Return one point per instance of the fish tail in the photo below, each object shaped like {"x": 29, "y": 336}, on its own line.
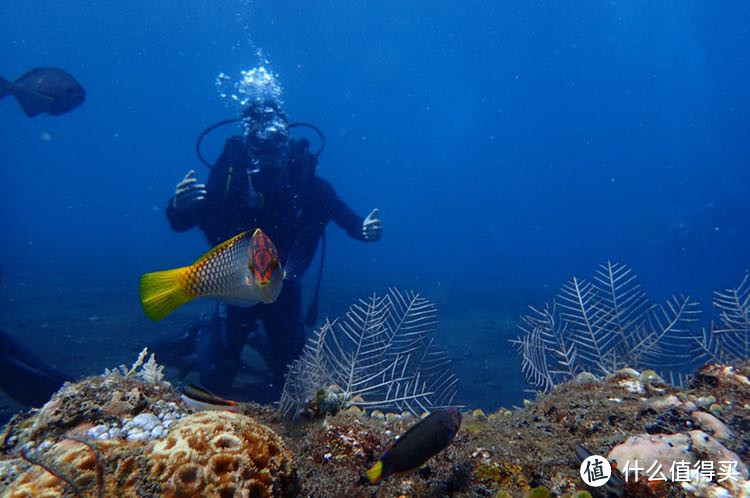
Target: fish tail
{"x": 162, "y": 292}
{"x": 5, "y": 87}
{"x": 375, "y": 473}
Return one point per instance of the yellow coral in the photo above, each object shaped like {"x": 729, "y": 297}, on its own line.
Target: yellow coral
{"x": 222, "y": 454}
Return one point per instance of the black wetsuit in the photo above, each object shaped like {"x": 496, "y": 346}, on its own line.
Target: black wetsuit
{"x": 294, "y": 217}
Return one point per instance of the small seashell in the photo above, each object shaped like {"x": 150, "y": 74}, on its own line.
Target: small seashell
{"x": 651, "y": 376}
{"x": 377, "y": 414}
{"x": 97, "y": 431}
{"x": 138, "y": 435}
{"x": 158, "y": 432}
{"x": 585, "y": 378}
{"x": 354, "y": 410}
{"x": 664, "y": 402}
{"x": 689, "y": 406}
{"x": 705, "y": 401}
{"x": 146, "y": 420}
{"x": 390, "y": 417}
{"x": 630, "y": 372}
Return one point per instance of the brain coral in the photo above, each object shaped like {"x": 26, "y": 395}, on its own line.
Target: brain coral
{"x": 208, "y": 454}
{"x": 222, "y": 454}
{"x": 71, "y": 458}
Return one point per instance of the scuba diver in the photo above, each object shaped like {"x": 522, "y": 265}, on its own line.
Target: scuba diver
{"x": 263, "y": 179}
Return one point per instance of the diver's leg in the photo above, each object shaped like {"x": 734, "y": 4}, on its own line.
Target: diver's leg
{"x": 219, "y": 347}
{"x": 24, "y": 376}
{"x": 285, "y": 333}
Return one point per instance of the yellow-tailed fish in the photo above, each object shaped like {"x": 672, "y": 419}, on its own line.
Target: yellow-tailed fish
{"x": 199, "y": 398}
{"x": 422, "y": 441}
{"x": 243, "y": 271}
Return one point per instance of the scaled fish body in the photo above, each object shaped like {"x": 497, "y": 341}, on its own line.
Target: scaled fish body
{"x": 45, "y": 89}
{"x": 199, "y": 398}
{"x": 421, "y": 442}
{"x": 242, "y": 271}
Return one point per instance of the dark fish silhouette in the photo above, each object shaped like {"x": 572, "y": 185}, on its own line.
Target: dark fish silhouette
{"x": 45, "y": 89}
{"x": 422, "y": 441}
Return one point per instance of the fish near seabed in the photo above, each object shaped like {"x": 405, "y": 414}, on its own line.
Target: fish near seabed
{"x": 243, "y": 271}
{"x": 422, "y": 441}
{"x": 199, "y": 398}
{"x": 45, "y": 89}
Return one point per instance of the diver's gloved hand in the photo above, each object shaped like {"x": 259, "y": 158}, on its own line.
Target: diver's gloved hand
{"x": 189, "y": 195}
{"x": 372, "y": 227}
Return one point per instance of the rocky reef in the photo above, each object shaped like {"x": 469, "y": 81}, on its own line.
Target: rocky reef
{"x": 123, "y": 435}
{"x": 127, "y": 433}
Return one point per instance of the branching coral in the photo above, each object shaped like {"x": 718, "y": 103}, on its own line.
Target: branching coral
{"x": 602, "y": 326}
{"x": 148, "y": 371}
{"x": 381, "y": 354}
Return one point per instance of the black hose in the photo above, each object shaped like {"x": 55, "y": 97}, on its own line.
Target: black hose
{"x": 211, "y": 128}
{"x": 312, "y": 311}
{"x": 206, "y": 132}
{"x": 316, "y": 130}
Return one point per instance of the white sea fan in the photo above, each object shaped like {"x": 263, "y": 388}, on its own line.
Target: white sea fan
{"x": 728, "y": 341}
{"x": 379, "y": 355}
{"x": 602, "y": 326}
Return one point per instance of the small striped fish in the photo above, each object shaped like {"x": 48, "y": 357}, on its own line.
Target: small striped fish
{"x": 243, "y": 271}
{"x": 198, "y": 398}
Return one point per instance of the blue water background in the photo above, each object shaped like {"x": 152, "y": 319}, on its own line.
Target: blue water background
{"x": 509, "y": 145}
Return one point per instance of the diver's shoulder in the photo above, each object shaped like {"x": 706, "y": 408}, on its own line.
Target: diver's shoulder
{"x": 321, "y": 186}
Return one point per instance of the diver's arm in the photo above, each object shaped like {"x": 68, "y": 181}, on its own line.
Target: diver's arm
{"x": 340, "y": 213}
{"x": 193, "y": 201}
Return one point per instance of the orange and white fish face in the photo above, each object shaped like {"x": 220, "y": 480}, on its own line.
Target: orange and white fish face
{"x": 266, "y": 273}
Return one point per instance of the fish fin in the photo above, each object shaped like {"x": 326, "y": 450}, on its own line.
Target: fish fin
{"x": 293, "y": 266}
{"x": 301, "y": 254}
{"x": 6, "y": 87}
{"x": 375, "y": 473}
{"x": 162, "y": 292}
{"x": 223, "y": 246}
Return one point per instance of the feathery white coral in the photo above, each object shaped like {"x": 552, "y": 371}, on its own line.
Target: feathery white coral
{"x": 149, "y": 371}
{"x": 602, "y": 326}
{"x": 379, "y": 355}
